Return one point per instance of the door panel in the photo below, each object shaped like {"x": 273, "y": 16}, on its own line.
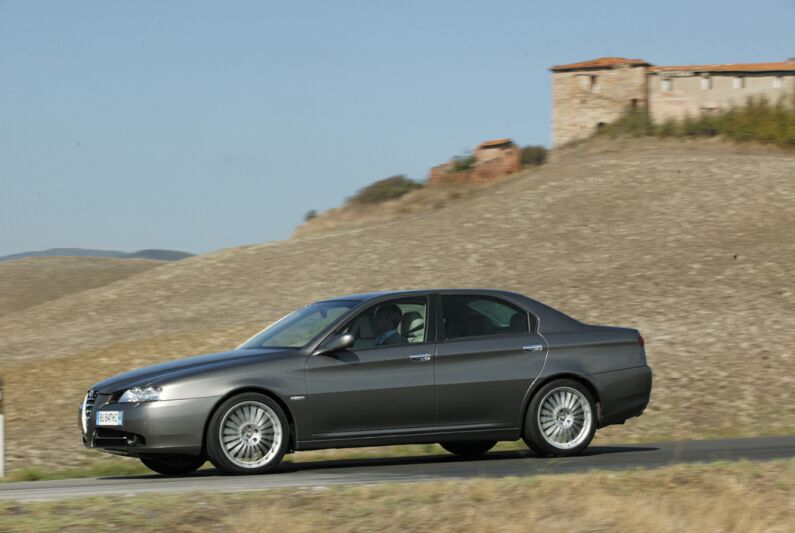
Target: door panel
{"x": 482, "y": 381}
{"x": 371, "y": 390}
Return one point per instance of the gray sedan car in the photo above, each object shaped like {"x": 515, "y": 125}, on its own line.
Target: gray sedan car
{"x": 464, "y": 368}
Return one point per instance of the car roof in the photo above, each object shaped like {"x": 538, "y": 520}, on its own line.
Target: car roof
{"x": 366, "y": 296}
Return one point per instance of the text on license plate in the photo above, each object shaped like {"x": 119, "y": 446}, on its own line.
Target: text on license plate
{"x": 109, "y": 418}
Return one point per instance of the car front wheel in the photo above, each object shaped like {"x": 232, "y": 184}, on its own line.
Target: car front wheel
{"x": 248, "y": 434}
{"x": 469, "y": 449}
{"x": 173, "y": 465}
{"x": 561, "y": 419}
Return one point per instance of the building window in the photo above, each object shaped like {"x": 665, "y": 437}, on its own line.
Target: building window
{"x": 666, "y": 85}
{"x": 738, "y": 82}
{"x": 778, "y": 82}
{"x": 589, "y": 83}
{"x": 706, "y": 83}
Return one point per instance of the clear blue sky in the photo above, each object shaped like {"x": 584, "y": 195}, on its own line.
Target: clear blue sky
{"x": 197, "y": 125}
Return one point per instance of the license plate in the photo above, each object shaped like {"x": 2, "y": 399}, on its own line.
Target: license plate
{"x": 109, "y": 418}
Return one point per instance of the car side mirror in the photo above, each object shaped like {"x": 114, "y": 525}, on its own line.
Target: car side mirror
{"x": 340, "y": 342}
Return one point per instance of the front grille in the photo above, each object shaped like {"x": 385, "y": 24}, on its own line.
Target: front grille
{"x": 88, "y": 408}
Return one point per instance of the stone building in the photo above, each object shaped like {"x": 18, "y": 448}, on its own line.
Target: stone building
{"x": 491, "y": 159}
{"x": 589, "y": 94}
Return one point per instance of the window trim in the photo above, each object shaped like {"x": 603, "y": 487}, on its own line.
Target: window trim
{"x": 531, "y": 318}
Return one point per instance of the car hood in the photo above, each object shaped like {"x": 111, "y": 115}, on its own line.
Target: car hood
{"x": 172, "y": 370}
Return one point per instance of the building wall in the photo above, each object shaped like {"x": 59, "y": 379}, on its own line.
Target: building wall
{"x": 579, "y": 105}
{"x": 490, "y": 163}
{"x": 687, "y": 96}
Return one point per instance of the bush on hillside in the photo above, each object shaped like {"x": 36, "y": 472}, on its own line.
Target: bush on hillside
{"x": 533, "y": 156}
{"x": 463, "y": 163}
{"x": 312, "y": 213}
{"x": 385, "y": 189}
{"x": 634, "y": 123}
{"x": 758, "y": 120}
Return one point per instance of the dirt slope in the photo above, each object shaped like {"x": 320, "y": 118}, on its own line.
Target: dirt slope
{"x": 690, "y": 243}
{"x": 29, "y": 282}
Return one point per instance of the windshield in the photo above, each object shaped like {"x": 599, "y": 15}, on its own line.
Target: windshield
{"x": 298, "y": 328}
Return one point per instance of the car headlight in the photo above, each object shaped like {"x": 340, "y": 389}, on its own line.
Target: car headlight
{"x": 141, "y": 394}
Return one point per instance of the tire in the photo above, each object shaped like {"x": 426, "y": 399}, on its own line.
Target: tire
{"x": 469, "y": 449}
{"x": 173, "y": 465}
{"x": 561, "y": 419}
{"x": 247, "y": 434}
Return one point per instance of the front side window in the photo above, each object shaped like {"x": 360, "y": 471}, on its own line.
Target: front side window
{"x": 391, "y": 323}
{"x": 298, "y": 328}
{"x": 666, "y": 85}
{"x": 466, "y": 315}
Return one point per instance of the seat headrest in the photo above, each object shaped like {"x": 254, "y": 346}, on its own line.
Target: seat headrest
{"x": 411, "y": 323}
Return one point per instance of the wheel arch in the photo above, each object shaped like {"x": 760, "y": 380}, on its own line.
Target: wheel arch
{"x": 259, "y": 390}
{"x": 583, "y": 380}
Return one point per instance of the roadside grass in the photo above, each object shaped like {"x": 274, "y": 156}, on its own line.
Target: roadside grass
{"x": 728, "y": 497}
{"x": 115, "y": 467}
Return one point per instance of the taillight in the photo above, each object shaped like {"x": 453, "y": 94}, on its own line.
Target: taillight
{"x": 641, "y": 342}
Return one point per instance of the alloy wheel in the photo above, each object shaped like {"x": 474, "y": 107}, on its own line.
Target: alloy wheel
{"x": 565, "y": 418}
{"x": 250, "y": 434}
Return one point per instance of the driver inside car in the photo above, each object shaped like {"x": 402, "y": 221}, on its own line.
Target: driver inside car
{"x": 385, "y": 323}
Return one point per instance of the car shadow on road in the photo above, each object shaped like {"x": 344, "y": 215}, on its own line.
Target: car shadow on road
{"x": 304, "y": 466}
{"x": 446, "y": 458}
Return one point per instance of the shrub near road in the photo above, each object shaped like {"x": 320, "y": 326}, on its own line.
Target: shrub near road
{"x": 690, "y": 243}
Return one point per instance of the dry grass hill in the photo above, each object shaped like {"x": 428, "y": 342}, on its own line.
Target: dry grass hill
{"x": 690, "y": 243}
{"x": 29, "y": 282}
{"x": 353, "y": 216}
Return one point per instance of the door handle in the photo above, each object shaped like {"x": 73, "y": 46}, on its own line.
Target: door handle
{"x": 420, "y": 357}
{"x": 533, "y": 347}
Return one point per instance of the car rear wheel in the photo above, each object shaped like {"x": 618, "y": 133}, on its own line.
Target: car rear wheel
{"x": 173, "y": 465}
{"x": 248, "y": 434}
{"x": 561, "y": 419}
{"x": 469, "y": 449}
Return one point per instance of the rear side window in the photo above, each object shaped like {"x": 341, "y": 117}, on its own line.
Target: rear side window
{"x": 470, "y": 315}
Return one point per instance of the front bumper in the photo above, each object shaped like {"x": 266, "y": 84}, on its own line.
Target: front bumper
{"x": 165, "y": 426}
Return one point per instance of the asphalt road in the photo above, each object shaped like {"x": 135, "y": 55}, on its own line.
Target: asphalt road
{"x": 411, "y": 469}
